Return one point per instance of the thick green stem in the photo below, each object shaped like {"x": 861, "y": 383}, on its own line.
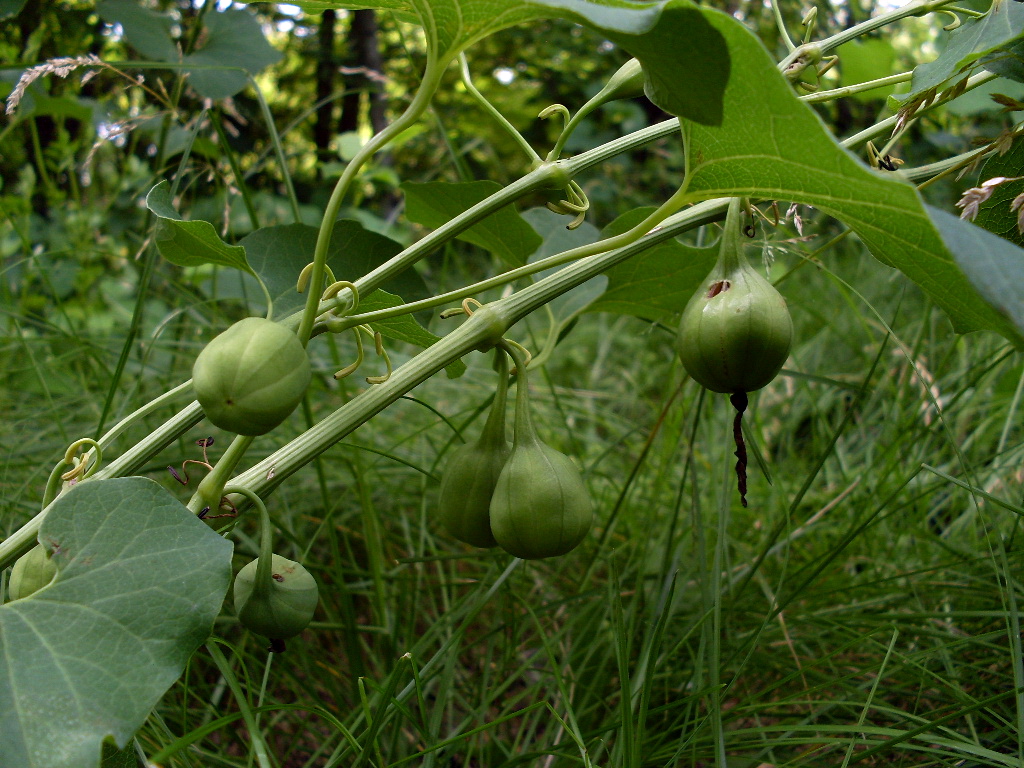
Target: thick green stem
{"x": 670, "y": 206}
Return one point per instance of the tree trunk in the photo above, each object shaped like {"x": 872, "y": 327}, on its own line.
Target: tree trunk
{"x": 363, "y": 62}
{"x": 326, "y": 69}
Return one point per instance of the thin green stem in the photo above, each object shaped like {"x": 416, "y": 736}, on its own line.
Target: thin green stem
{"x": 850, "y": 90}
{"x": 211, "y": 488}
{"x": 282, "y": 159}
{"x": 431, "y": 78}
{"x": 261, "y": 587}
{"x": 780, "y": 24}
{"x": 490, "y": 109}
{"x": 913, "y": 8}
{"x": 153, "y": 405}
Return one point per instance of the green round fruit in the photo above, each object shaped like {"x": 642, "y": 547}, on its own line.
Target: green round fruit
{"x": 251, "y": 377}
{"x": 285, "y": 609}
{"x": 31, "y": 572}
{"x": 467, "y": 486}
{"x": 736, "y": 331}
{"x": 541, "y": 506}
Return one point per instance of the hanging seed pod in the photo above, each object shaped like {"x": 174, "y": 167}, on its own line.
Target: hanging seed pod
{"x": 736, "y": 331}
{"x": 250, "y": 377}
{"x": 471, "y": 474}
{"x": 281, "y": 608}
{"x": 541, "y": 506}
{"x": 31, "y": 572}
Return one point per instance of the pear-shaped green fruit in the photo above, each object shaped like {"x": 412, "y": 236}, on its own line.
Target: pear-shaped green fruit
{"x": 31, "y": 572}
{"x": 281, "y": 610}
{"x": 250, "y": 378}
{"x": 736, "y": 331}
{"x": 467, "y": 485}
{"x": 541, "y": 506}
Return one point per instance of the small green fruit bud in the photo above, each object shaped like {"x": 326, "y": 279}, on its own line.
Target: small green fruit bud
{"x": 31, "y": 572}
{"x": 626, "y": 83}
{"x": 736, "y": 332}
{"x": 285, "y": 608}
{"x": 250, "y": 378}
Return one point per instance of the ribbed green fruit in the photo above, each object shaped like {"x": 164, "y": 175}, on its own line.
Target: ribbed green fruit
{"x": 282, "y": 611}
{"x": 250, "y": 377}
{"x": 541, "y": 506}
{"x": 31, "y": 572}
{"x": 467, "y": 485}
{"x": 736, "y": 331}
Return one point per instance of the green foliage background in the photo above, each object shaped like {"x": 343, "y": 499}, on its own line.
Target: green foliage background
{"x": 880, "y": 621}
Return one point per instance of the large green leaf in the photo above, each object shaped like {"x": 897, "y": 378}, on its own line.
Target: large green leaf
{"x": 504, "y": 233}
{"x": 232, "y": 38}
{"x": 658, "y": 282}
{"x": 140, "y": 581}
{"x": 190, "y": 243}
{"x": 148, "y": 31}
{"x": 975, "y": 38}
{"x": 771, "y": 145}
{"x": 279, "y": 253}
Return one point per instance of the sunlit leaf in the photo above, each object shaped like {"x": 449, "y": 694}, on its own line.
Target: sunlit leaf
{"x": 973, "y": 39}
{"x": 147, "y": 31}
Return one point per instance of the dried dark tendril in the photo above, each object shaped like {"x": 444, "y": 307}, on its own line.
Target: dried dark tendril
{"x": 739, "y": 402}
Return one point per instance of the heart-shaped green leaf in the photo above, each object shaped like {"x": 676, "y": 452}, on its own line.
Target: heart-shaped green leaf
{"x": 190, "y": 243}
{"x": 140, "y": 580}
